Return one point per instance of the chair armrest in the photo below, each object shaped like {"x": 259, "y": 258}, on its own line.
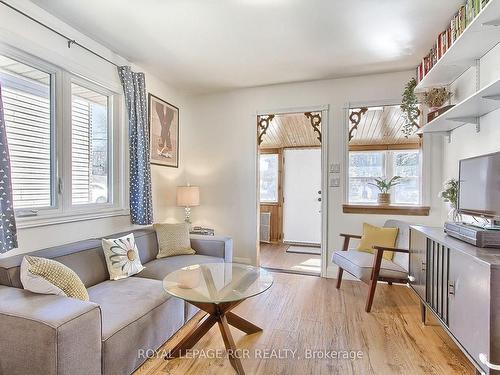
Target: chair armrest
{"x": 48, "y": 334}
{"x": 347, "y": 239}
{"x": 215, "y": 246}
{"x": 345, "y": 235}
{"x": 394, "y": 249}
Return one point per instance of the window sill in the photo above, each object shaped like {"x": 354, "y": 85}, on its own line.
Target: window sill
{"x": 391, "y": 209}
{"x": 45, "y": 220}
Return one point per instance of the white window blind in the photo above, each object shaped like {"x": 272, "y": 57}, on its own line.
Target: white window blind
{"x": 89, "y": 139}
{"x": 27, "y": 108}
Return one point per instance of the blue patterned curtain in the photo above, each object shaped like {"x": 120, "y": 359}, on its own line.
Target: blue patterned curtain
{"x": 134, "y": 88}
{"x": 8, "y": 231}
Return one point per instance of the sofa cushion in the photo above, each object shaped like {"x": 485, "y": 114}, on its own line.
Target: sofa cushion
{"x": 137, "y": 316}
{"x": 83, "y": 257}
{"x": 173, "y": 239}
{"x": 123, "y": 301}
{"x": 359, "y": 264}
{"x": 159, "y": 268}
{"x": 122, "y": 256}
{"x": 47, "y": 276}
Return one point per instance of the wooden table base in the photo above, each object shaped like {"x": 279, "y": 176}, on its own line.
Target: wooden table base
{"x": 222, "y": 315}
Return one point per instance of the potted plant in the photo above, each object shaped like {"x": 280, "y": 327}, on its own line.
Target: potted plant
{"x": 409, "y": 107}
{"x": 449, "y": 194}
{"x": 436, "y": 97}
{"x": 385, "y": 185}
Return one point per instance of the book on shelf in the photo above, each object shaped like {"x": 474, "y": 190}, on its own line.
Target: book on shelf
{"x": 459, "y": 22}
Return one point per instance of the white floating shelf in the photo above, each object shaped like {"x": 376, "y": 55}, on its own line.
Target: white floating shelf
{"x": 467, "y": 111}
{"x": 476, "y": 40}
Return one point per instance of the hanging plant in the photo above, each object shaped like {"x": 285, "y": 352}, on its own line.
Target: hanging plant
{"x": 409, "y": 106}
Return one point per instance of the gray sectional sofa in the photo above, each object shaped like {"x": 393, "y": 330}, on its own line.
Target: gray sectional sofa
{"x": 54, "y": 335}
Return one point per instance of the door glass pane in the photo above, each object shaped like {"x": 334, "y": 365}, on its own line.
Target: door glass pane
{"x": 363, "y": 168}
{"x": 269, "y": 178}
{"x": 407, "y": 165}
{"x": 27, "y": 109}
{"x": 89, "y": 140}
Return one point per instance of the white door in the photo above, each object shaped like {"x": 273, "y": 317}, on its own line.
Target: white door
{"x": 302, "y": 195}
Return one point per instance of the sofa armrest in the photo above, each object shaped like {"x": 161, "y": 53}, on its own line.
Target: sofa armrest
{"x": 48, "y": 334}
{"x": 215, "y": 246}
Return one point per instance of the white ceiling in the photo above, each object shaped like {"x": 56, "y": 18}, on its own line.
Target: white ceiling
{"x": 208, "y": 45}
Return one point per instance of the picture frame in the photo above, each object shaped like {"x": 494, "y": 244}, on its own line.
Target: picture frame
{"x": 163, "y": 132}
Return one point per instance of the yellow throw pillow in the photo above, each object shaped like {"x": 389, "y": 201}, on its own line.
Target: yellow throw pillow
{"x": 47, "y": 276}
{"x": 173, "y": 239}
{"x": 377, "y": 236}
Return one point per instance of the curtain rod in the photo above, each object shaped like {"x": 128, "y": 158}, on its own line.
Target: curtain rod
{"x": 69, "y": 40}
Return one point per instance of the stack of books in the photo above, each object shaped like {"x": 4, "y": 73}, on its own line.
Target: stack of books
{"x": 463, "y": 18}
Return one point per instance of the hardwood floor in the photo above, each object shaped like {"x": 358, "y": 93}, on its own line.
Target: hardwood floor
{"x": 275, "y": 256}
{"x": 307, "y": 312}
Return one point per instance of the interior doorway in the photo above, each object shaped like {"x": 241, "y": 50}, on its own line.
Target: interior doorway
{"x": 291, "y": 199}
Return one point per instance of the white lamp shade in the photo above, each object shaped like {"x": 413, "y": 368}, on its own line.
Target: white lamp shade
{"x": 188, "y": 196}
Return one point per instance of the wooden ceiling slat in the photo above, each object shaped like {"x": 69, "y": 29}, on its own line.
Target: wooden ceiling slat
{"x": 290, "y": 130}
{"x": 382, "y": 127}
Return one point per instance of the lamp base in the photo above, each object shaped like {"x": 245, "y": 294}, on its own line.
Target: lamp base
{"x": 187, "y": 219}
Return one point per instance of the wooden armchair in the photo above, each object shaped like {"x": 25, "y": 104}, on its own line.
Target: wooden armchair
{"x": 371, "y": 268}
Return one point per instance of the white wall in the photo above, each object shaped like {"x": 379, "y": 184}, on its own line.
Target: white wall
{"x": 222, "y": 157}
{"x": 17, "y": 31}
{"x": 465, "y": 141}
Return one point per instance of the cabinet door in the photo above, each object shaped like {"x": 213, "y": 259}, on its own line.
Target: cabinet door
{"x": 417, "y": 277}
{"x": 469, "y": 303}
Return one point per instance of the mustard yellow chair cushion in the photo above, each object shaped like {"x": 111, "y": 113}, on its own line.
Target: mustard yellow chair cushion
{"x": 377, "y": 236}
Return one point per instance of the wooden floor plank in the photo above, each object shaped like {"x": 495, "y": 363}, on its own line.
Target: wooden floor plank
{"x": 301, "y": 313}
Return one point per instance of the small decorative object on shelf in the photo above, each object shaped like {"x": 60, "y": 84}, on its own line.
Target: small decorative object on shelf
{"x": 409, "y": 106}
{"x": 385, "y": 185}
{"x": 450, "y": 195}
{"x": 202, "y": 231}
{"x": 436, "y": 97}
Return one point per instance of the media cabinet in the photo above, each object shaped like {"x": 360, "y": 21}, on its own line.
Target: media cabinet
{"x": 460, "y": 284}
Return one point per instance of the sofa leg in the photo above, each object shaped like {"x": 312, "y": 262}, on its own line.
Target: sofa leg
{"x": 339, "y": 277}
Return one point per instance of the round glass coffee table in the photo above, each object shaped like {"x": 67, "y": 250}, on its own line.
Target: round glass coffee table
{"x": 217, "y": 288}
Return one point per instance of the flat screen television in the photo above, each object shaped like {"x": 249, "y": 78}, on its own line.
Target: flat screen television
{"x": 479, "y": 192}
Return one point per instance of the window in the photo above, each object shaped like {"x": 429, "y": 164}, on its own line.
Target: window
{"x": 379, "y": 149}
{"x": 63, "y": 163}
{"x": 365, "y": 166}
{"x": 269, "y": 175}
{"x": 27, "y": 104}
{"x": 89, "y": 139}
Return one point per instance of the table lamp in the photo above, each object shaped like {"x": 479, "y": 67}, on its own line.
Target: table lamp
{"x": 187, "y": 197}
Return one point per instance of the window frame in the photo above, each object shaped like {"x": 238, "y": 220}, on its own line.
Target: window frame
{"x": 62, "y": 210}
{"x": 68, "y": 198}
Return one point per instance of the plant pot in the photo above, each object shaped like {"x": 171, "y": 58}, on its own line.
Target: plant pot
{"x": 384, "y": 198}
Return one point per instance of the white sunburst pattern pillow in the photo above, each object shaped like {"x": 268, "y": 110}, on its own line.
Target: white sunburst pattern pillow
{"x": 122, "y": 257}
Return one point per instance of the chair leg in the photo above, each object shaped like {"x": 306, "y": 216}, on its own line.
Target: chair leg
{"x": 371, "y": 294}
{"x": 377, "y": 260}
{"x": 339, "y": 277}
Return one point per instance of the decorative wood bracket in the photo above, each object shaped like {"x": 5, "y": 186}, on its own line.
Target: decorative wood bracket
{"x": 355, "y": 119}
{"x": 262, "y": 125}
{"x": 315, "y": 119}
